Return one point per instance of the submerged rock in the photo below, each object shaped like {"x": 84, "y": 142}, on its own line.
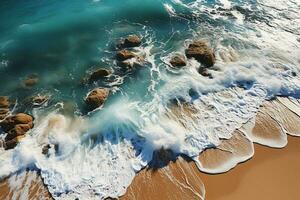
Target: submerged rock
{"x": 124, "y": 55}
{"x": 130, "y": 41}
{"x": 178, "y": 61}
{"x": 97, "y": 97}
{"x": 16, "y": 127}
{"x": 98, "y": 74}
{"x": 39, "y": 100}
{"x": 31, "y": 80}
{"x": 201, "y": 52}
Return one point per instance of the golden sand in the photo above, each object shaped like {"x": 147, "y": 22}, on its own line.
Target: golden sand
{"x": 272, "y": 174}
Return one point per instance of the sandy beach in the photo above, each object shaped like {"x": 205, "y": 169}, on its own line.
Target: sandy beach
{"x": 272, "y": 174}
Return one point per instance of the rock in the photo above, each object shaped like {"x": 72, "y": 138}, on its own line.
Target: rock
{"x": 3, "y": 113}
{"x": 31, "y": 80}
{"x": 16, "y": 127}
{"x": 98, "y": 74}
{"x": 161, "y": 158}
{"x": 4, "y": 102}
{"x": 124, "y": 55}
{"x": 18, "y": 130}
{"x": 10, "y": 122}
{"x": 201, "y": 52}
{"x": 178, "y": 61}
{"x": 10, "y": 144}
{"x": 97, "y": 97}
{"x": 39, "y": 100}
{"x": 45, "y": 149}
{"x": 205, "y": 72}
{"x": 130, "y": 41}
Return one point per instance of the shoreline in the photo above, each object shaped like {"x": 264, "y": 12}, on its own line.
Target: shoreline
{"x": 241, "y": 154}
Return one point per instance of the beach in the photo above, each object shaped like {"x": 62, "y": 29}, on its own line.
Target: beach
{"x": 164, "y": 99}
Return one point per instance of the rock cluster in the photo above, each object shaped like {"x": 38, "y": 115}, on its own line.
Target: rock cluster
{"x": 16, "y": 126}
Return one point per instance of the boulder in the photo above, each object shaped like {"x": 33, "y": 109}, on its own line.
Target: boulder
{"x": 130, "y": 41}
{"x": 4, "y": 102}
{"x": 97, "y": 97}
{"x": 178, "y": 61}
{"x": 98, "y": 74}
{"x": 18, "y": 130}
{"x": 31, "y": 80}
{"x": 10, "y": 144}
{"x": 201, "y": 52}
{"x": 12, "y": 121}
{"x": 124, "y": 55}
{"x": 205, "y": 72}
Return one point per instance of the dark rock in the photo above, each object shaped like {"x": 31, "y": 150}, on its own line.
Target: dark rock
{"x": 45, "y": 149}
{"x": 97, "y": 97}
{"x": 98, "y": 74}
{"x": 162, "y": 157}
{"x": 10, "y": 144}
{"x": 130, "y": 41}
{"x": 178, "y": 61}
{"x": 31, "y": 80}
{"x": 201, "y": 52}
{"x": 205, "y": 72}
{"x": 124, "y": 55}
{"x": 18, "y": 130}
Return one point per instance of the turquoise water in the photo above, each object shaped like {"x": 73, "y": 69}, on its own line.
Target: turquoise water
{"x": 256, "y": 45}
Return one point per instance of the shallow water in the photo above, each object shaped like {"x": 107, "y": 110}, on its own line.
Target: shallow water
{"x": 256, "y": 45}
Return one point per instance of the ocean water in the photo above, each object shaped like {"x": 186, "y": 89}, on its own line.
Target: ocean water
{"x": 257, "y": 46}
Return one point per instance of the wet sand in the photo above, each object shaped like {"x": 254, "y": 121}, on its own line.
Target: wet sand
{"x": 272, "y": 174}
